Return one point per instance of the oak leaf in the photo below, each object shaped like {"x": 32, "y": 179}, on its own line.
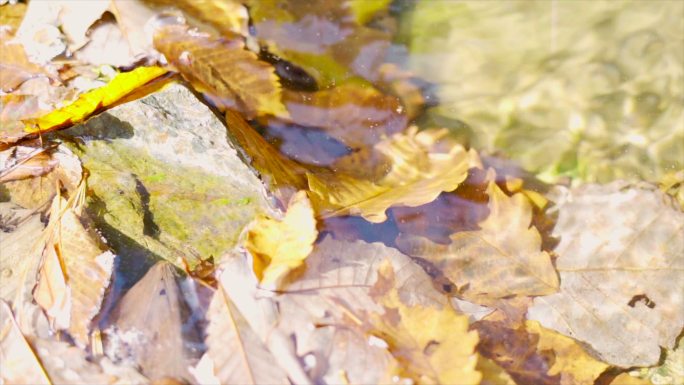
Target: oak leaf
{"x": 621, "y": 257}
{"x": 91, "y": 101}
{"x": 279, "y": 246}
{"x": 504, "y": 258}
{"x": 418, "y": 175}
{"x": 233, "y": 76}
{"x": 432, "y": 345}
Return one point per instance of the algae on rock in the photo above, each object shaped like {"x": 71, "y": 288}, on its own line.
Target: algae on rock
{"x": 165, "y": 180}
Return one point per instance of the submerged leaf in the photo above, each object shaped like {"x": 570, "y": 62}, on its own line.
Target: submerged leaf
{"x": 232, "y": 75}
{"x": 358, "y": 115}
{"x": 418, "y": 175}
{"x": 432, "y": 345}
{"x": 91, "y": 101}
{"x": 281, "y": 246}
{"x": 621, "y": 257}
{"x": 502, "y": 259}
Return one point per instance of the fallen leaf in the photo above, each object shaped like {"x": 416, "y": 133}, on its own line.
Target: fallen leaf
{"x": 15, "y": 67}
{"x": 502, "y": 259}
{"x": 492, "y": 374}
{"x": 238, "y": 354}
{"x": 627, "y": 379}
{"x": 365, "y": 10}
{"x": 571, "y": 361}
{"x": 147, "y": 326}
{"x": 75, "y": 19}
{"x": 279, "y": 246}
{"x": 12, "y": 14}
{"x": 107, "y": 45}
{"x": 75, "y": 271}
{"x": 283, "y": 175}
{"x": 515, "y": 350}
{"x": 134, "y": 18}
{"x": 224, "y": 68}
{"x": 20, "y": 365}
{"x": 418, "y": 176}
{"x": 356, "y": 114}
{"x": 620, "y": 257}
{"x": 229, "y": 17}
{"x": 432, "y": 345}
{"x": 91, "y": 101}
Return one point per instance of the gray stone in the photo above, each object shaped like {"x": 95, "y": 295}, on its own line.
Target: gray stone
{"x": 165, "y": 179}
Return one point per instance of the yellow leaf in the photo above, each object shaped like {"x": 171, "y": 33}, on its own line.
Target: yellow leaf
{"x": 418, "y": 175}
{"x": 504, "y": 258}
{"x": 627, "y": 379}
{"x": 280, "y": 246}
{"x": 572, "y": 362}
{"x": 91, "y": 101}
{"x": 492, "y": 374}
{"x": 433, "y": 345}
{"x": 233, "y": 76}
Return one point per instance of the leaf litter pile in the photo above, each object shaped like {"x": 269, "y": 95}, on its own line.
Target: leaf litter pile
{"x": 341, "y": 192}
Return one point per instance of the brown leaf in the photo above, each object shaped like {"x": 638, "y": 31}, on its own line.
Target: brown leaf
{"x": 75, "y": 270}
{"x": 621, "y": 257}
{"x": 224, "y": 68}
{"x": 15, "y": 67}
{"x": 148, "y": 326}
{"x": 504, "y": 258}
{"x": 229, "y": 17}
{"x": 357, "y": 115}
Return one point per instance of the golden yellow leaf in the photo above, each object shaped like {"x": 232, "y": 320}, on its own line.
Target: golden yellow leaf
{"x": 233, "y": 76}
{"x": 91, "y": 101}
{"x": 504, "y": 258}
{"x": 280, "y": 246}
{"x": 627, "y": 379}
{"x": 574, "y": 365}
{"x": 492, "y": 374}
{"x": 433, "y": 345}
{"x": 417, "y": 176}
{"x": 75, "y": 270}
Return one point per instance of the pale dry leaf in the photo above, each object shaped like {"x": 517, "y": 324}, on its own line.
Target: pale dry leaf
{"x": 20, "y": 365}
{"x": 621, "y": 260}
{"x": 75, "y": 272}
{"x": 419, "y": 173}
{"x": 238, "y": 354}
{"x": 147, "y": 326}
{"x": 501, "y": 259}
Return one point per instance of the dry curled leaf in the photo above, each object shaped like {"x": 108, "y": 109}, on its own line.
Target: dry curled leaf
{"x": 417, "y": 176}
{"x": 279, "y": 246}
{"x": 620, "y": 259}
{"x": 501, "y": 259}
{"x": 91, "y": 101}
{"x": 233, "y": 76}
{"x": 75, "y": 271}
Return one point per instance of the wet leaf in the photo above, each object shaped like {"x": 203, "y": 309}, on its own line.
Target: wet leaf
{"x": 365, "y": 10}
{"x": 502, "y": 259}
{"x": 229, "y": 17}
{"x": 223, "y": 68}
{"x": 572, "y": 361}
{"x": 356, "y": 114}
{"x": 283, "y": 176}
{"x": 75, "y": 271}
{"x": 20, "y": 365}
{"x": 148, "y": 326}
{"x": 279, "y": 246}
{"x": 621, "y": 255}
{"x": 89, "y": 102}
{"x": 237, "y": 353}
{"x": 432, "y": 345}
{"x": 418, "y": 175}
